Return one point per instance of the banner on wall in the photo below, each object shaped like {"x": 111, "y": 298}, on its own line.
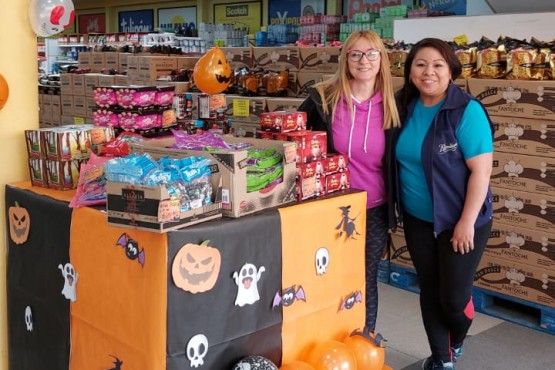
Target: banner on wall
{"x": 92, "y": 23}
{"x": 311, "y": 7}
{"x": 283, "y": 12}
{"x": 136, "y": 21}
{"x": 247, "y": 14}
{"x": 172, "y": 17}
{"x": 446, "y": 7}
{"x": 350, "y": 7}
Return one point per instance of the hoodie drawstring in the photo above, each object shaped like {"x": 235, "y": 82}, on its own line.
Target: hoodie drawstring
{"x": 365, "y": 130}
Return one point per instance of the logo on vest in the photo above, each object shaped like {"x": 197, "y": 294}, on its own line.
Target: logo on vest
{"x": 444, "y": 148}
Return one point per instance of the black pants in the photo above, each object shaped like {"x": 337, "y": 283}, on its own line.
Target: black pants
{"x": 376, "y": 238}
{"x": 445, "y": 279}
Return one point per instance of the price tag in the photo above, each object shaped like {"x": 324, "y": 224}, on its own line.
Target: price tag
{"x": 241, "y": 107}
{"x": 169, "y": 210}
{"x": 78, "y": 120}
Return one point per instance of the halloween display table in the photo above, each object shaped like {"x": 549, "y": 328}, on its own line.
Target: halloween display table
{"x": 86, "y": 295}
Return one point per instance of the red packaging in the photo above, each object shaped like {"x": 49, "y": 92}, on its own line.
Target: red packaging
{"x": 271, "y": 121}
{"x": 306, "y": 170}
{"x": 336, "y": 163}
{"x": 311, "y": 145}
{"x": 306, "y": 188}
{"x": 338, "y": 181}
{"x": 293, "y": 121}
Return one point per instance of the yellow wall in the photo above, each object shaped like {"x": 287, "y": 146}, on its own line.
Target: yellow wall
{"x": 18, "y": 65}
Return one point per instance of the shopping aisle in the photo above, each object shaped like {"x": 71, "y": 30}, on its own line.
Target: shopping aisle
{"x": 493, "y": 344}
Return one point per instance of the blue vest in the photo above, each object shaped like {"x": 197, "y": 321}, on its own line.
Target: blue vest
{"x": 444, "y": 165}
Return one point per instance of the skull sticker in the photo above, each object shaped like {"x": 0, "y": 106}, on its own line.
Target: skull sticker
{"x": 29, "y": 318}
{"x": 197, "y": 349}
{"x": 322, "y": 260}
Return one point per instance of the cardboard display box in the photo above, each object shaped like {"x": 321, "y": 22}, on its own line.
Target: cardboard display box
{"x": 246, "y": 109}
{"x": 515, "y": 98}
{"x": 516, "y": 208}
{"x": 319, "y": 59}
{"x": 150, "y": 207}
{"x": 530, "y": 283}
{"x": 522, "y": 245}
{"x": 524, "y": 136}
{"x": 524, "y": 172}
{"x": 306, "y": 80}
{"x": 238, "y": 57}
{"x": 283, "y": 104}
{"x": 276, "y": 58}
{"x": 398, "y": 251}
{"x": 236, "y": 201}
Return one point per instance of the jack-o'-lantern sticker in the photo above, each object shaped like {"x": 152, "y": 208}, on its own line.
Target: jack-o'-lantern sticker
{"x": 212, "y": 72}
{"x": 20, "y": 223}
{"x": 196, "y": 267}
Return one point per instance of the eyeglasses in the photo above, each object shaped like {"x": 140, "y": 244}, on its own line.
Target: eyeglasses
{"x": 356, "y": 55}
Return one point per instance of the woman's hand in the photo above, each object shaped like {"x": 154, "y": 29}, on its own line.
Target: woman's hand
{"x": 463, "y": 237}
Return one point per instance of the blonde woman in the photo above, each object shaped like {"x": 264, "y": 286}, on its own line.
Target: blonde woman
{"x": 356, "y": 107}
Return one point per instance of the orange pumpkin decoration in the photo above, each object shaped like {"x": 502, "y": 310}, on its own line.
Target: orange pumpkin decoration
{"x": 20, "y": 223}
{"x": 212, "y": 72}
{"x": 196, "y": 267}
{"x": 368, "y": 349}
{"x": 4, "y": 91}
{"x": 332, "y": 355}
{"x": 297, "y": 365}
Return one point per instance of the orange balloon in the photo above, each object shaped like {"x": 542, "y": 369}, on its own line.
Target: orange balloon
{"x": 212, "y": 72}
{"x": 369, "y": 353}
{"x": 4, "y": 91}
{"x": 297, "y": 365}
{"x": 332, "y": 355}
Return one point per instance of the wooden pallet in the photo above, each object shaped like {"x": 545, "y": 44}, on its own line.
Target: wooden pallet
{"x": 518, "y": 311}
{"x": 403, "y": 277}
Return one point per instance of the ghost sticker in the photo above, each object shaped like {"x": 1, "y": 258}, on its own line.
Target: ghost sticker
{"x": 29, "y": 318}
{"x": 350, "y": 300}
{"x": 197, "y": 348}
{"x": 131, "y": 248}
{"x": 247, "y": 284}
{"x": 289, "y": 296}
{"x": 70, "y": 281}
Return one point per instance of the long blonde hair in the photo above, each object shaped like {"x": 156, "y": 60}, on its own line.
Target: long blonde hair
{"x": 332, "y": 89}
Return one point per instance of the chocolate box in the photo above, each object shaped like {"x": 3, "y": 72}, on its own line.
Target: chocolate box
{"x": 524, "y": 172}
{"x": 524, "y": 136}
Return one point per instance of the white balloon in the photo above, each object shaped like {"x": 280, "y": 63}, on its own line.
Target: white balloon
{"x": 49, "y": 17}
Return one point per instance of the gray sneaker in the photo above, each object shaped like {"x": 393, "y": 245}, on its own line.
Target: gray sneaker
{"x": 429, "y": 364}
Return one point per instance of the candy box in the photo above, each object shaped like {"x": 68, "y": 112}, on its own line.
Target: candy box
{"x": 66, "y": 143}
{"x": 231, "y": 164}
{"x": 338, "y": 181}
{"x": 37, "y": 172}
{"x": 130, "y": 97}
{"x": 62, "y": 175}
{"x": 139, "y": 119}
{"x": 336, "y": 163}
{"x": 106, "y": 117}
{"x": 151, "y": 207}
{"x": 164, "y": 95}
{"x": 282, "y": 121}
{"x": 311, "y": 145}
{"x": 105, "y": 96}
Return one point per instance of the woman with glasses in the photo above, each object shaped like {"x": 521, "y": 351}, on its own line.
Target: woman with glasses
{"x": 356, "y": 108}
{"x": 444, "y": 160}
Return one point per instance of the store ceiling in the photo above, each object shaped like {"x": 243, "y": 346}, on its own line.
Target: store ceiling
{"x": 520, "y": 6}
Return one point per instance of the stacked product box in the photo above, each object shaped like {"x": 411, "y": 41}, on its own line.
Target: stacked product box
{"x": 318, "y": 172}
{"x": 519, "y": 260}
{"x": 55, "y": 154}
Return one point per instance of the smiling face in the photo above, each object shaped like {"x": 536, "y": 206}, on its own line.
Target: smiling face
{"x": 430, "y": 73}
{"x": 364, "y": 69}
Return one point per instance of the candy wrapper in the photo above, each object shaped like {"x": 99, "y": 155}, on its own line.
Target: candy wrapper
{"x": 91, "y": 187}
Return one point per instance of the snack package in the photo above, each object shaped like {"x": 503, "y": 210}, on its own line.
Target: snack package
{"x": 91, "y": 186}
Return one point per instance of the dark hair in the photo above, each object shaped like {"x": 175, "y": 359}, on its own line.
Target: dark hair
{"x": 409, "y": 91}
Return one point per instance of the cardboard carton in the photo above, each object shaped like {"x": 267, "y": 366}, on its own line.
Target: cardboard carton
{"x": 515, "y": 98}
{"x": 151, "y": 208}
{"x": 236, "y": 201}
{"x": 524, "y": 173}
{"x": 522, "y": 245}
{"x": 276, "y": 58}
{"x": 319, "y": 59}
{"x": 524, "y": 135}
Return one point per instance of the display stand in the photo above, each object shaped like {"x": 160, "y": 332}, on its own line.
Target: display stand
{"x": 126, "y": 306}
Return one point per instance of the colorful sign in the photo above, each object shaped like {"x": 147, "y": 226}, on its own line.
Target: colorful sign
{"x": 446, "y": 7}
{"x": 136, "y": 21}
{"x": 283, "y": 12}
{"x": 350, "y": 7}
{"x": 247, "y": 14}
{"x": 92, "y": 23}
{"x": 172, "y": 17}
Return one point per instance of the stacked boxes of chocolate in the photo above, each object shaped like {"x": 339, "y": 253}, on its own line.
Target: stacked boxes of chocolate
{"x": 55, "y": 154}
{"x": 318, "y": 172}
{"x": 146, "y": 110}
